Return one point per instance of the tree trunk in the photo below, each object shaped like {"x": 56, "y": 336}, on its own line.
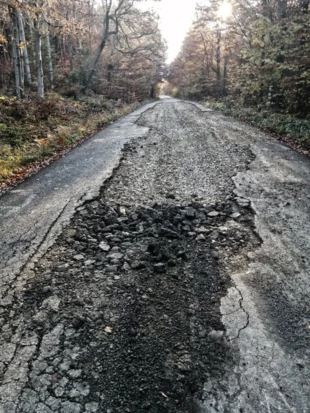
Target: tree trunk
{"x": 39, "y": 64}
{"x": 17, "y": 62}
{"x": 49, "y": 57}
{"x": 98, "y": 52}
{"x": 225, "y": 75}
{"x": 70, "y": 49}
{"x": 218, "y": 59}
{"x": 24, "y": 45}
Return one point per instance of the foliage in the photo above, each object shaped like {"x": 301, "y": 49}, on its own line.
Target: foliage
{"x": 33, "y": 129}
{"x": 298, "y": 130}
{"x": 69, "y": 67}
{"x": 259, "y": 57}
{"x": 115, "y": 48}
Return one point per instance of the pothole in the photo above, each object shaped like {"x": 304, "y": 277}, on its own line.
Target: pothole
{"x": 138, "y": 291}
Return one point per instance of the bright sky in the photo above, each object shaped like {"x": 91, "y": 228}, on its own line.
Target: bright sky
{"x": 176, "y": 17}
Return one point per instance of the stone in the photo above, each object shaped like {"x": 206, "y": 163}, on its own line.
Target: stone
{"x": 202, "y": 230}
{"x": 243, "y": 202}
{"x": 122, "y": 210}
{"x": 137, "y": 265}
{"x": 201, "y": 237}
{"x": 213, "y": 214}
{"x": 216, "y": 334}
{"x": 235, "y": 215}
{"x": 78, "y": 257}
{"x": 214, "y": 235}
{"x": 74, "y": 374}
{"x": 160, "y": 267}
{"x": 92, "y": 407}
{"x": 215, "y": 255}
{"x": 223, "y": 230}
{"x": 116, "y": 256}
{"x": 104, "y": 246}
{"x": 190, "y": 213}
{"x": 52, "y": 303}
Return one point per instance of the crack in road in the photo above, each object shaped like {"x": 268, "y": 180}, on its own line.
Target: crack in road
{"x": 133, "y": 307}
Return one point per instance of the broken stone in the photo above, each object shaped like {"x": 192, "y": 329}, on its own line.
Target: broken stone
{"x": 160, "y": 267}
{"x": 137, "y": 265}
{"x": 235, "y": 215}
{"x": 89, "y": 262}
{"x": 78, "y": 257}
{"x": 243, "y": 202}
{"x": 74, "y": 374}
{"x": 116, "y": 256}
{"x": 104, "y": 246}
{"x": 214, "y": 235}
{"x": 52, "y": 303}
{"x": 213, "y": 214}
{"x": 202, "y": 230}
{"x": 201, "y": 237}
{"x": 216, "y": 334}
{"x": 190, "y": 213}
{"x": 122, "y": 210}
{"x": 223, "y": 230}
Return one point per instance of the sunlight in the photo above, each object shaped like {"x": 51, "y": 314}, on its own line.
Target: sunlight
{"x": 175, "y": 20}
{"x": 225, "y": 10}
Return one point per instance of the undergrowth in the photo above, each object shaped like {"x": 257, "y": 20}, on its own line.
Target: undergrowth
{"x": 298, "y": 130}
{"x": 34, "y": 129}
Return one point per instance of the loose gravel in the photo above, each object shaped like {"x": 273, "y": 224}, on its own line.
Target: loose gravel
{"x": 123, "y": 313}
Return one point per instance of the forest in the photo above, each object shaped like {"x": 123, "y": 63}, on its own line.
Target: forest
{"x": 68, "y": 67}
{"x": 250, "y": 59}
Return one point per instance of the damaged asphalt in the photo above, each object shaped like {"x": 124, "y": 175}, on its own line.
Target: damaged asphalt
{"x": 162, "y": 266}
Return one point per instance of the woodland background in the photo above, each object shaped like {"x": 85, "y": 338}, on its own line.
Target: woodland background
{"x": 255, "y": 64}
{"x": 67, "y": 67}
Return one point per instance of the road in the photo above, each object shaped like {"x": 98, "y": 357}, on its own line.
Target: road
{"x": 161, "y": 266}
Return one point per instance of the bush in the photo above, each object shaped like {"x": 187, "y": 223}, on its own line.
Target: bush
{"x": 285, "y": 125}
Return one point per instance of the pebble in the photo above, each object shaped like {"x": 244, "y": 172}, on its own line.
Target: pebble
{"x": 201, "y": 237}
{"x": 235, "y": 215}
{"x": 78, "y": 257}
{"x": 160, "y": 267}
{"x": 216, "y": 334}
{"x": 213, "y": 214}
{"x": 116, "y": 256}
{"x": 190, "y": 212}
{"x": 104, "y": 246}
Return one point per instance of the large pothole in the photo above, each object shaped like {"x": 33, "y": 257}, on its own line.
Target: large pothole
{"x": 137, "y": 291}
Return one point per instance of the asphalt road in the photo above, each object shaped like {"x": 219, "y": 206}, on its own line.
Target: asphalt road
{"x": 172, "y": 276}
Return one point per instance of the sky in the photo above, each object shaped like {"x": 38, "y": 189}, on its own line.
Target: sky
{"x": 176, "y": 17}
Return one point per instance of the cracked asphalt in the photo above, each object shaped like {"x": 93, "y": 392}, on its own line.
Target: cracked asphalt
{"x": 162, "y": 266}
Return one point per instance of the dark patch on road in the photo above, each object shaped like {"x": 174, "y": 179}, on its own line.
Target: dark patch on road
{"x": 140, "y": 292}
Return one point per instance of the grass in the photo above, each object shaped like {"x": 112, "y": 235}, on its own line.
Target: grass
{"x": 284, "y": 125}
{"x": 33, "y": 130}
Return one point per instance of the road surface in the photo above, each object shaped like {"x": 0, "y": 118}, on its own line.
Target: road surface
{"x": 161, "y": 266}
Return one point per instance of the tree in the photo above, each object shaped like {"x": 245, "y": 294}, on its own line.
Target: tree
{"x": 258, "y": 56}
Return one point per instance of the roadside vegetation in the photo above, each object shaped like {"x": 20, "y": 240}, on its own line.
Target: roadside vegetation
{"x": 290, "y": 129}
{"x": 67, "y": 68}
{"x": 250, "y": 59}
{"x": 34, "y": 132}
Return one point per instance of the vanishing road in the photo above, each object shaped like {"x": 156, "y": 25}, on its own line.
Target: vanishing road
{"x": 162, "y": 266}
